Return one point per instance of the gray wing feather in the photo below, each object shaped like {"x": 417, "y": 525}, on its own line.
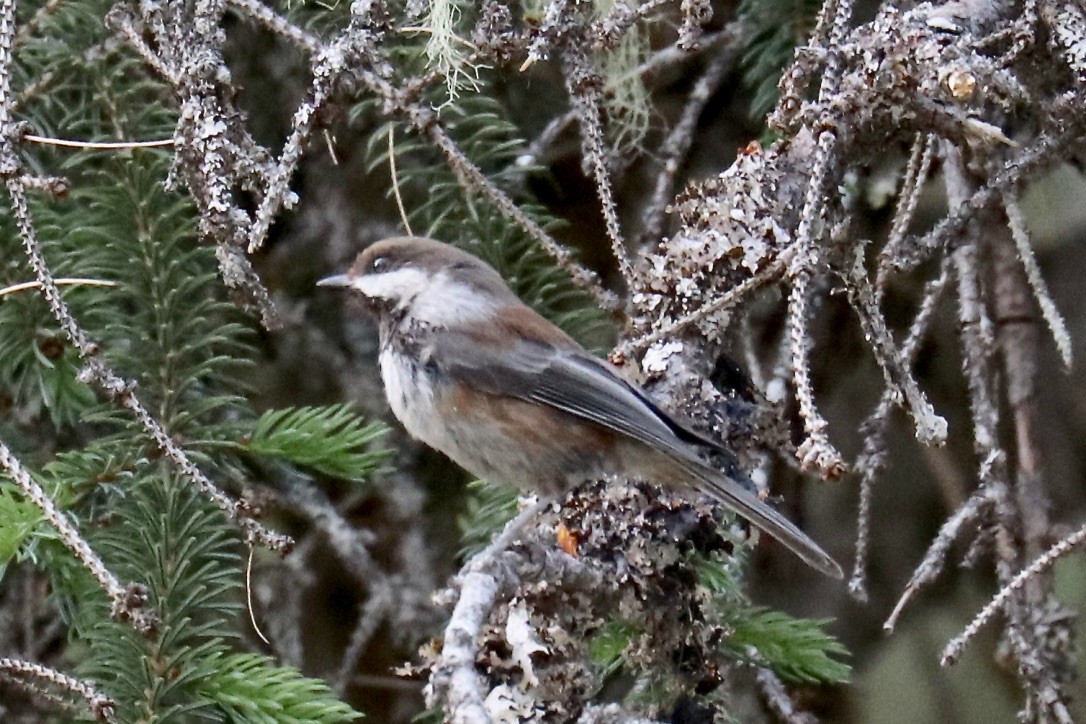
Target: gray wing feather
{"x": 567, "y": 380}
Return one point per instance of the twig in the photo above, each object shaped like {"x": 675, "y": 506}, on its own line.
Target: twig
{"x": 546, "y": 138}
{"x": 1056, "y": 325}
{"x": 328, "y": 65}
{"x": 371, "y": 614}
{"x": 472, "y": 177}
{"x": 954, "y": 649}
{"x": 121, "y": 19}
{"x": 725, "y": 301}
{"x": 816, "y": 450}
{"x": 583, "y": 86}
{"x": 25, "y": 286}
{"x": 916, "y": 173}
{"x": 777, "y": 699}
{"x": 548, "y": 30}
{"x": 346, "y": 541}
{"x": 946, "y": 235}
{"x": 931, "y": 567}
{"x": 99, "y": 704}
{"x": 931, "y": 429}
{"x": 396, "y": 179}
{"x": 872, "y": 461}
{"x": 98, "y": 145}
{"x": 606, "y": 31}
{"x": 733, "y": 32}
{"x": 277, "y": 25}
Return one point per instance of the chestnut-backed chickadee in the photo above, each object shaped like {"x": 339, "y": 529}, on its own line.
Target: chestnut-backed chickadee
{"x": 475, "y": 373}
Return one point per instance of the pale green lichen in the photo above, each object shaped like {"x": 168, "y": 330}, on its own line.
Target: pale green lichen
{"x": 626, "y": 100}
{"x": 447, "y": 52}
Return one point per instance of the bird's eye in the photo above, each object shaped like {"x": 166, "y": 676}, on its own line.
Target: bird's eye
{"x": 380, "y": 264}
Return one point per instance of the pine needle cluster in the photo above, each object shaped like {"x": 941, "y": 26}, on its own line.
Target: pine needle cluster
{"x": 161, "y": 317}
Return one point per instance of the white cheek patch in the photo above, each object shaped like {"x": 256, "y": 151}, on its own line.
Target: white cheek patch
{"x": 436, "y": 300}
{"x": 449, "y": 303}
{"x": 398, "y": 285}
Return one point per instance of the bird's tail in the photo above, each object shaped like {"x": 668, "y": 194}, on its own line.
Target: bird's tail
{"x": 736, "y": 496}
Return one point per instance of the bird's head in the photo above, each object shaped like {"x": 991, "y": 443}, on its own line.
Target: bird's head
{"x": 431, "y": 282}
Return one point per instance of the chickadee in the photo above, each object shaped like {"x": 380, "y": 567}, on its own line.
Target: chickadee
{"x": 472, "y": 371}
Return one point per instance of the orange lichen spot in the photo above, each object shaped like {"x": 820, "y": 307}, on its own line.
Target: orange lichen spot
{"x": 750, "y": 149}
{"x": 567, "y": 539}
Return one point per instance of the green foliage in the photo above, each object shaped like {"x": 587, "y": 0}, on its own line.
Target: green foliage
{"x": 161, "y": 532}
{"x": 607, "y": 647}
{"x": 171, "y": 539}
{"x": 796, "y": 649}
{"x": 626, "y": 103}
{"x": 30, "y": 372}
{"x": 251, "y": 688}
{"x": 167, "y": 324}
{"x": 20, "y": 517}
{"x": 331, "y": 440}
{"x": 774, "y": 29}
{"x": 489, "y": 507}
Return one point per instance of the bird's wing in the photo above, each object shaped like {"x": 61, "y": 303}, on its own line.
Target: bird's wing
{"x": 566, "y": 379}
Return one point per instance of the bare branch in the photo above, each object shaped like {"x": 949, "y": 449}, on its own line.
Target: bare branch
{"x": 583, "y": 86}
{"x": 816, "y": 451}
{"x": 99, "y": 704}
{"x": 454, "y": 682}
{"x": 1056, "y": 325}
{"x": 916, "y": 173}
{"x": 872, "y": 461}
{"x": 954, "y": 649}
{"x": 931, "y": 429}
{"x": 931, "y": 567}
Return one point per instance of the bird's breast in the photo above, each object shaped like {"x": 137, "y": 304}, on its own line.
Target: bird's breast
{"x": 501, "y": 439}
{"x": 411, "y": 393}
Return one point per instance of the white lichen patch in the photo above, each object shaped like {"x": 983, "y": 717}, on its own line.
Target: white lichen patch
{"x": 656, "y": 358}
{"x": 521, "y": 637}
{"x": 507, "y": 704}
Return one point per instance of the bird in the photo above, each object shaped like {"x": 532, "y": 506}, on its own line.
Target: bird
{"x": 475, "y": 373}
